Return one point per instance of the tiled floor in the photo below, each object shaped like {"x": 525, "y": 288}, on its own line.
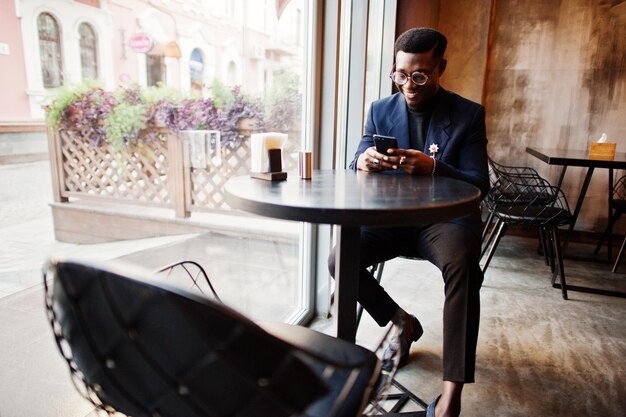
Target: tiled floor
{"x": 538, "y": 355}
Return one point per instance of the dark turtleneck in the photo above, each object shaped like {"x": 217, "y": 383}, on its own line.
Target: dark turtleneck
{"x": 419, "y": 118}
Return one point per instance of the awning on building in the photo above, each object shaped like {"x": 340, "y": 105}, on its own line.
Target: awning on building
{"x": 166, "y": 49}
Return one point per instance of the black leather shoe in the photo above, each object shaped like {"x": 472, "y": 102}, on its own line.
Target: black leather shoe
{"x": 405, "y": 347}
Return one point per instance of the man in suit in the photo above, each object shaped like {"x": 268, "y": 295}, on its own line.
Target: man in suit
{"x": 439, "y": 133}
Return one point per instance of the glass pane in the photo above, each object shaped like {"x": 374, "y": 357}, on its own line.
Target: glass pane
{"x": 253, "y": 73}
{"x": 50, "y": 50}
{"x": 380, "y": 43}
{"x": 88, "y": 51}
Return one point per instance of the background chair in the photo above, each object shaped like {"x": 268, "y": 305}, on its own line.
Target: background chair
{"x": 500, "y": 172}
{"x": 193, "y": 274}
{"x": 530, "y": 202}
{"x": 618, "y": 205}
{"x": 145, "y": 349}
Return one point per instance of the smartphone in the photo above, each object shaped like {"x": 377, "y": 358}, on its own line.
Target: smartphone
{"x": 383, "y": 143}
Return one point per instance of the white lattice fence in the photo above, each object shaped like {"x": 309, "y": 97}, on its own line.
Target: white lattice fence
{"x": 207, "y": 183}
{"x": 137, "y": 172}
{"x": 142, "y": 174}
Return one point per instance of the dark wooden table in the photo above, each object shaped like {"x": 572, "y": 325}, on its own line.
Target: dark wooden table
{"x": 350, "y": 200}
{"x": 580, "y": 158}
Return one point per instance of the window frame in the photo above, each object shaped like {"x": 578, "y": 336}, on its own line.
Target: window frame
{"x": 56, "y": 56}
{"x": 93, "y": 48}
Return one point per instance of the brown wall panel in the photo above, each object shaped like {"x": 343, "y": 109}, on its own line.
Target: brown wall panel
{"x": 556, "y": 77}
{"x": 550, "y": 73}
{"x": 466, "y": 25}
{"x": 416, "y": 13}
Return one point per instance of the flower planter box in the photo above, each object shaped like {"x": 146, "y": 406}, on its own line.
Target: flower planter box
{"x": 113, "y": 148}
{"x": 155, "y": 173}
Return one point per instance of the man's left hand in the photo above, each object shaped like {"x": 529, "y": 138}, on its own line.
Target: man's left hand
{"x": 412, "y": 161}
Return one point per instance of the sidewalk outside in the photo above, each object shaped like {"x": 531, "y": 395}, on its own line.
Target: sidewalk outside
{"x": 34, "y": 380}
{"x": 27, "y": 233}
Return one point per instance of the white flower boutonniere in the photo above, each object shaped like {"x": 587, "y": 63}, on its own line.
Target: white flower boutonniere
{"x": 433, "y": 149}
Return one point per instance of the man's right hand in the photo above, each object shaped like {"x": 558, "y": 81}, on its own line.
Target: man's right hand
{"x": 372, "y": 160}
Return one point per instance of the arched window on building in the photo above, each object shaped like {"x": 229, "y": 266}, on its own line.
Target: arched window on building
{"x": 50, "y": 50}
{"x": 88, "y": 51}
{"x": 196, "y": 70}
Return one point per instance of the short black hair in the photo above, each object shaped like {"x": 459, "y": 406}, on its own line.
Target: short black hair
{"x": 418, "y": 40}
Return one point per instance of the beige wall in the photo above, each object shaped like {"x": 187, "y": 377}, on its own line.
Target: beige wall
{"x": 551, "y": 73}
{"x": 557, "y": 78}
{"x": 466, "y": 24}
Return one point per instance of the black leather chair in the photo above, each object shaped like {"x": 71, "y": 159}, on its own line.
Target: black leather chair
{"x": 535, "y": 203}
{"x": 146, "y": 349}
{"x": 618, "y": 205}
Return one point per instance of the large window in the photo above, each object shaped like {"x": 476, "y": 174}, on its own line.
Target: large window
{"x": 50, "y": 50}
{"x": 255, "y": 78}
{"x": 88, "y": 51}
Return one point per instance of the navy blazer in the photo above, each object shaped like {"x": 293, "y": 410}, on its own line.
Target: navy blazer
{"x": 457, "y": 127}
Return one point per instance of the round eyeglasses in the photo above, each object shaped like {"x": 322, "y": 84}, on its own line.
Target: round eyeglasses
{"x": 418, "y": 78}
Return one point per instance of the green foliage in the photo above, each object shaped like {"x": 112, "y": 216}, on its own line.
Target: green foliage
{"x": 222, "y": 95}
{"x": 124, "y": 123}
{"x": 65, "y": 96}
{"x": 155, "y": 94}
{"x": 285, "y": 86}
{"x": 284, "y": 102}
{"x": 135, "y": 114}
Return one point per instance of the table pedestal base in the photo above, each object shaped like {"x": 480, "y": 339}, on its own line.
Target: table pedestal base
{"x": 347, "y": 281}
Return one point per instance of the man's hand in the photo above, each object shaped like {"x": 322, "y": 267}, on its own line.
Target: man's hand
{"x": 372, "y": 160}
{"x": 412, "y": 161}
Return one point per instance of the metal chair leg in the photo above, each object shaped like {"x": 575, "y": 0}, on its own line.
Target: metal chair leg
{"x": 608, "y": 231}
{"x": 195, "y": 272}
{"x": 501, "y": 231}
{"x": 543, "y": 244}
{"x": 487, "y": 224}
{"x": 377, "y": 271}
{"x": 559, "y": 256}
{"x": 550, "y": 251}
{"x": 619, "y": 256}
{"x": 487, "y": 242}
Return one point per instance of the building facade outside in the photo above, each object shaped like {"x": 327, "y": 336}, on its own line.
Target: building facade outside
{"x": 199, "y": 48}
{"x": 185, "y": 44}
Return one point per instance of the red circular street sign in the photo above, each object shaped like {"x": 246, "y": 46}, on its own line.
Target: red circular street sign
{"x": 140, "y": 42}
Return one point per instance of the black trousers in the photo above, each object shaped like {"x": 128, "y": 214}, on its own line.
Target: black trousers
{"x": 452, "y": 248}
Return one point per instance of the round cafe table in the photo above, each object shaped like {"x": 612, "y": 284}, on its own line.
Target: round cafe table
{"x": 351, "y": 199}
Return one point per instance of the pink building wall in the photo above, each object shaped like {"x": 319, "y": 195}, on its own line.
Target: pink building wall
{"x": 247, "y": 38}
{"x": 14, "y": 106}
{"x": 124, "y": 59}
